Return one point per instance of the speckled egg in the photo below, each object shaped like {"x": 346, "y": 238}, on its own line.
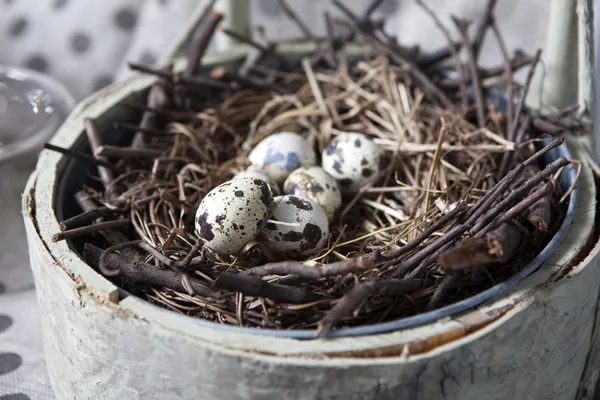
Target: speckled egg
{"x": 255, "y": 173}
{"x": 281, "y": 153}
{"x": 353, "y": 160}
{"x": 309, "y": 233}
{"x": 233, "y": 213}
{"x": 317, "y": 185}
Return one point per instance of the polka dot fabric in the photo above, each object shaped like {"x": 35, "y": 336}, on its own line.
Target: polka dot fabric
{"x": 86, "y": 44}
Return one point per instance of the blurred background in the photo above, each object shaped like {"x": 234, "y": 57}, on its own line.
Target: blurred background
{"x": 85, "y": 46}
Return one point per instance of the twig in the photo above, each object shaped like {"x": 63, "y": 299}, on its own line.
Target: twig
{"x": 428, "y": 250}
{"x": 520, "y": 192}
{"x": 508, "y": 157}
{"x": 294, "y": 17}
{"x": 498, "y": 246}
{"x": 95, "y": 142}
{"x": 513, "y": 129}
{"x": 253, "y": 286}
{"x": 84, "y": 230}
{"x": 205, "y": 34}
{"x": 486, "y": 201}
{"x": 443, "y": 220}
{"x": 463, "y": 27}
{"x": 141, "y": 272}
{"x": 488, "y": 16}
{"x": 305, "y": 272}
{"x": 83, "y": 157}
{"x": 453, "y": 50}
{"x": 86, "y": 218}
{"x": 520, "y": 208}
{"x": 540, "y": 213}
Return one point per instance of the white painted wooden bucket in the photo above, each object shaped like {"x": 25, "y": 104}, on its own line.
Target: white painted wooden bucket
{"x": 538, "y": 341}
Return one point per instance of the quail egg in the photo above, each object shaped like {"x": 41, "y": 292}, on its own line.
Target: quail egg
{"x": 353, "y": 160}
{"x": 301, "y": 227}
{"x": 258, "y": 174}
{"x": 233, "y": 213}
{"x": 281, "y": 153}
{"x": 317, "y": 185}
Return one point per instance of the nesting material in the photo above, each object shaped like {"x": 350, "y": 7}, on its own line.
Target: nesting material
{"x": 444, "y": 194}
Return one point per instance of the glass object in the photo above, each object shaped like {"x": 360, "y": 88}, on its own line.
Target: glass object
{"x": 32, "y": 107}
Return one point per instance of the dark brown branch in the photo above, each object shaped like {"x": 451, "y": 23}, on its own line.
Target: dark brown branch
{"x": 142, "y": 272}
{"x": 453, "y": 50}
{"x": 404, "y": 267}
{"x": 201, "y": 42}
{"x": 413, "y": 244}
{"x": 508, "y": 157}
{"x": 498, "y": 246}
{"x": 256, "y": 287}
{"x": 463, "y": 27}
{"x": 488, "y": 16}
{"x": 157, "y": 98}
{"x": 520, "y": 192}
{"x": 521, "y": 207}
{"x": 95, "y": 142}
{"x": 291, "y": 14}
{"x": 87, "y": 204}
{"x": 507, "y": 72}
{"x": 485, "y": 202}
{"x": 263, "y": 49}
{"x": 83, "y": 157}
{"x": 84, "y": 230}
{"x": 513, "y": 129}
{"x": 363, "y": 263}
{"x": 86, "y": 218}
{"x": 540, "y": 213}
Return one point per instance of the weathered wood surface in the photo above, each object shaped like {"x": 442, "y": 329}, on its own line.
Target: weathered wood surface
{"x": 530, "y": 344}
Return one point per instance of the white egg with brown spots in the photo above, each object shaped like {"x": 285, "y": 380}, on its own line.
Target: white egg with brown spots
{"x": 317, "y": 185}
{"x": 255, "y": 173}
{"x": 281, "y": 153}
{"x": 233, "y": 213}
{"x": 353, "y": 159}
{"x": 304, "y": 231}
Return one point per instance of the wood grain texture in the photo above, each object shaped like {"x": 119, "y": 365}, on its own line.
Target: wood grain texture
{"x": 530, "y": 344}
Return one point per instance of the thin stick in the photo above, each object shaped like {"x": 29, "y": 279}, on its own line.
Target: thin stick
{"x": 137, "y": 271}
{"x": 201, "y": 43}
{"x": 463, "y": 27}
{"x": 521, "y": 103}
{"x": 86, "y": 218}
{"x": 291, "y": 14}
{"x": 451, "y": 215}
{"x": 518, "y": 193}
{"x": 453, "y": 50}
{"x": 488, "y": 16}
{"x": 253, "y": 286}
{"x": 84, "y": 230}
{"x": 95, "y": 142}
{"x": 83, "y": 157}
{"x": 486, "y": 201}
{"x": 520, "y": 208}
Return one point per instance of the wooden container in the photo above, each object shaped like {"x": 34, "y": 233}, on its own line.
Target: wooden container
{"x": 537, "y": 341}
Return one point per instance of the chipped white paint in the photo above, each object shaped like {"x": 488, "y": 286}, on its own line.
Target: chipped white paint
{"x": 530, "y": 344}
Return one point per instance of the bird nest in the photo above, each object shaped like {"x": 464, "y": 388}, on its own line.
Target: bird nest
{"x": 462, "y": 201}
